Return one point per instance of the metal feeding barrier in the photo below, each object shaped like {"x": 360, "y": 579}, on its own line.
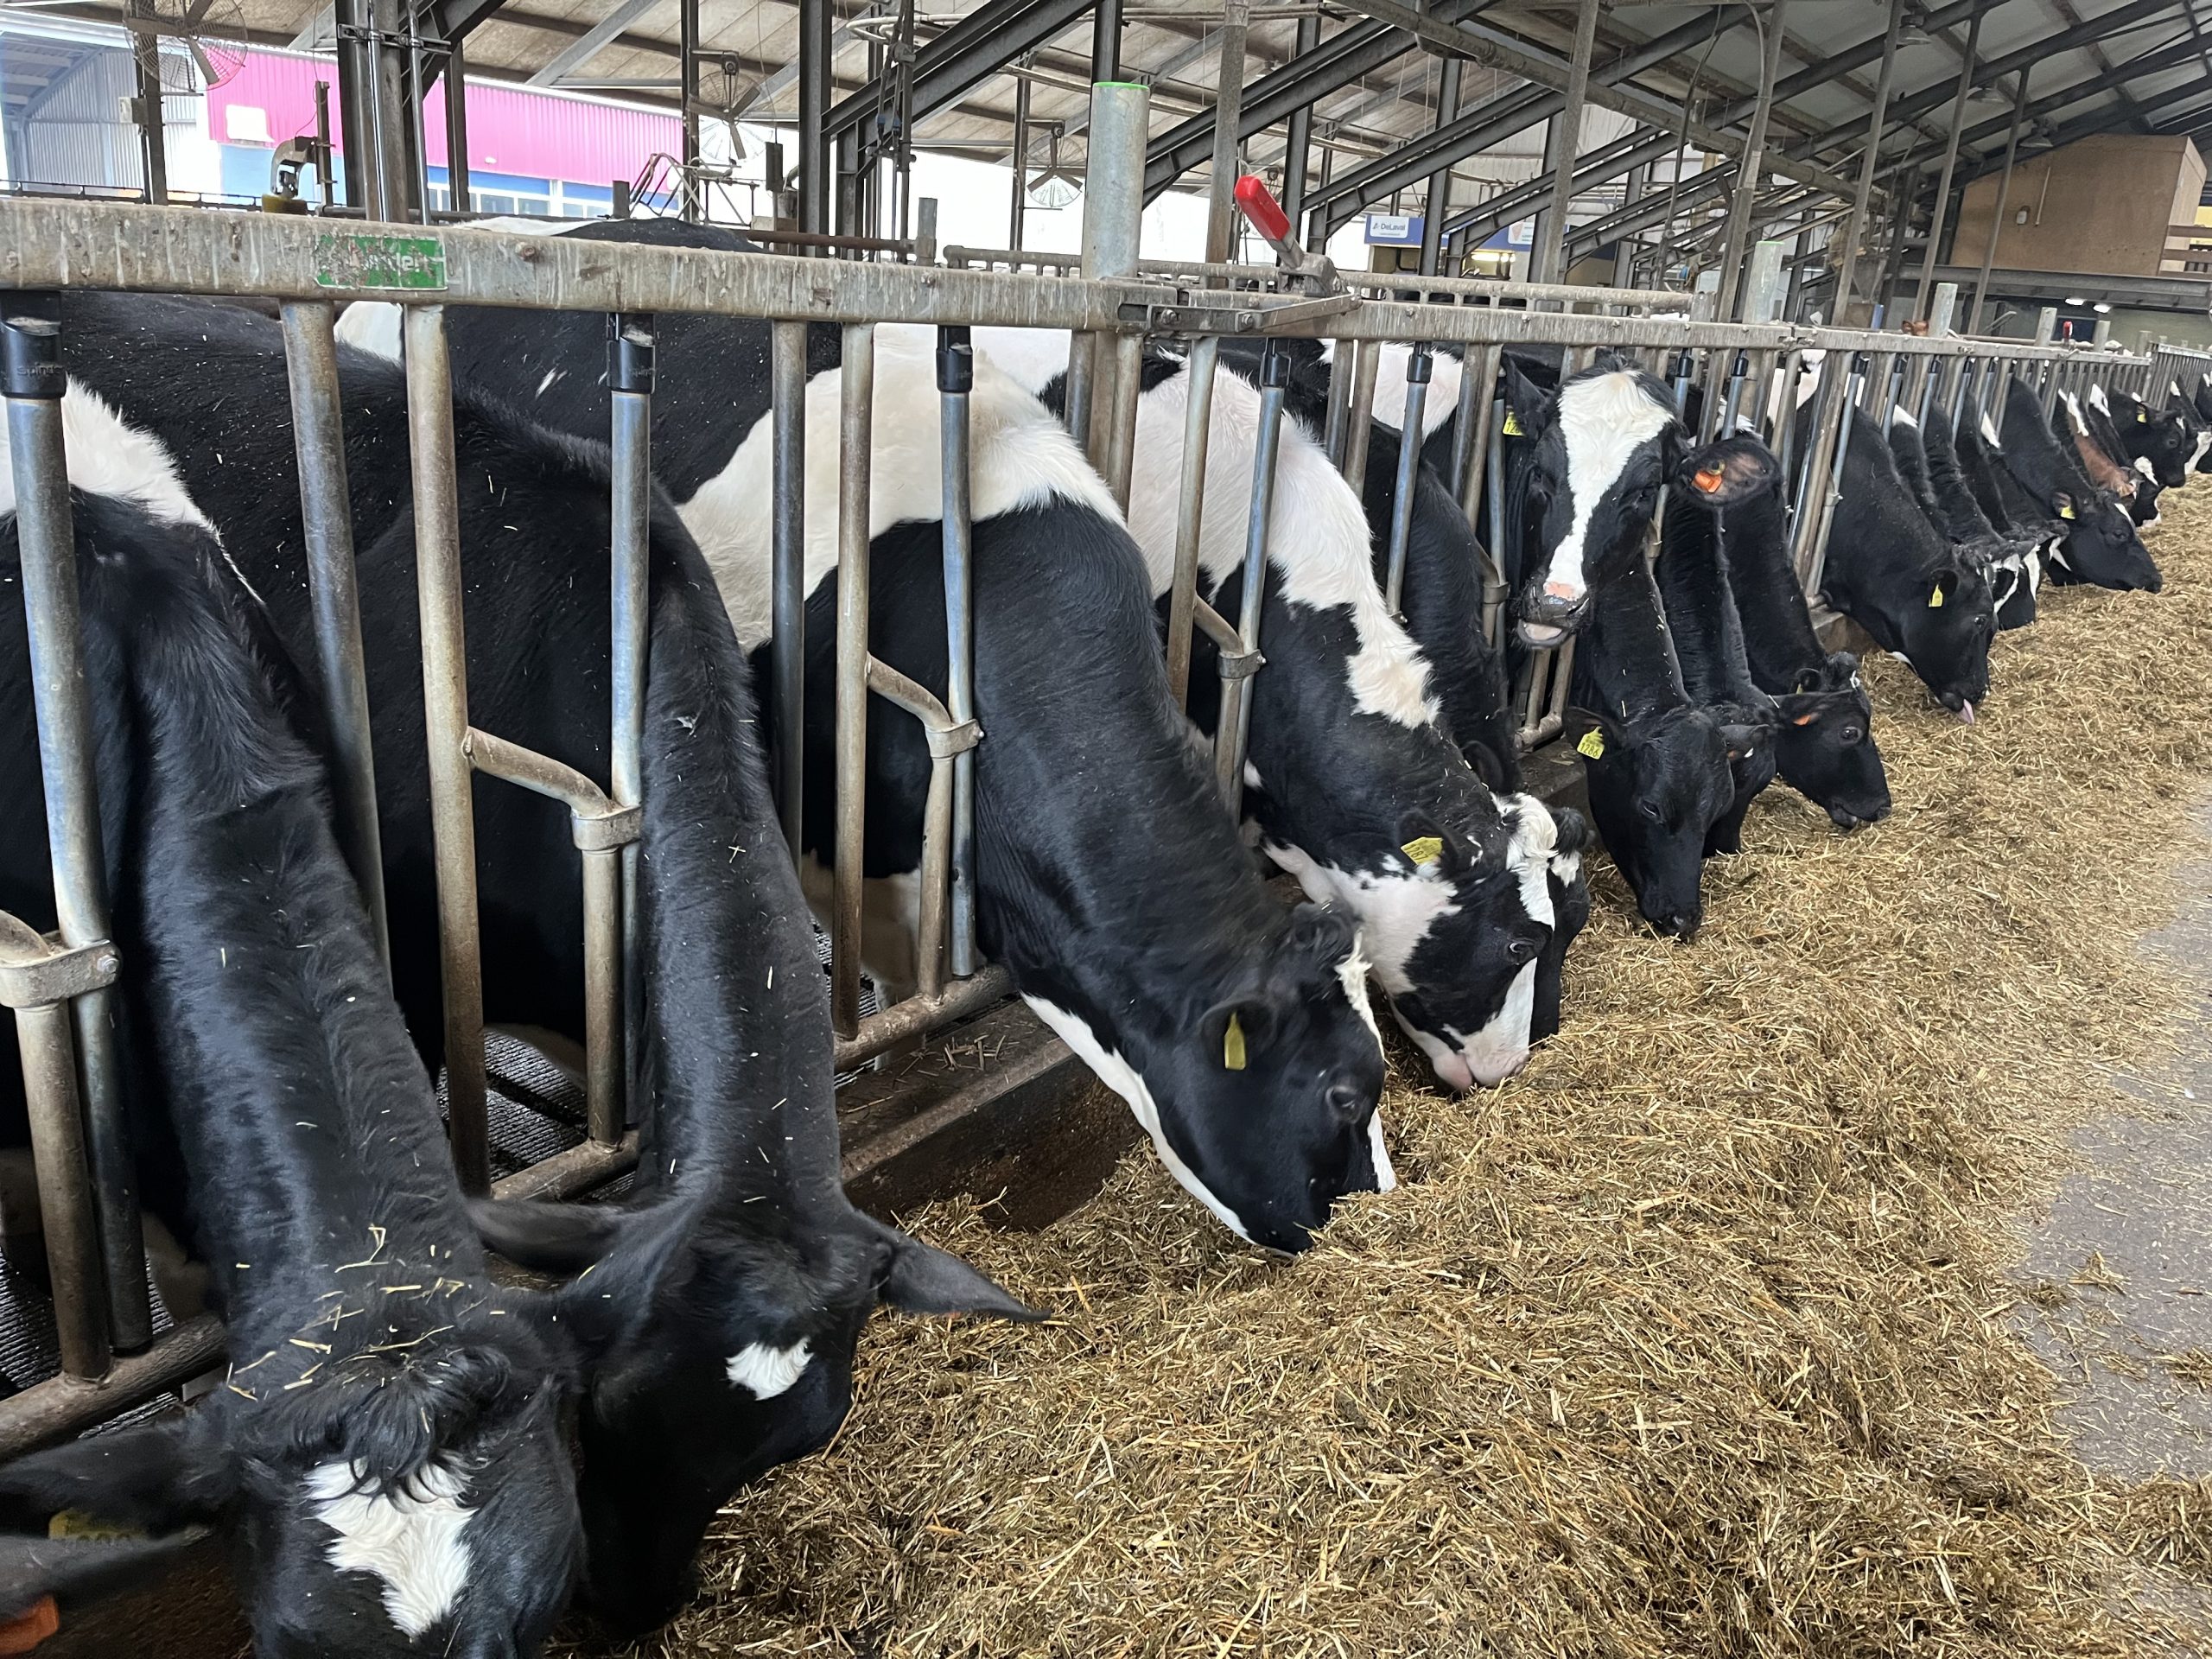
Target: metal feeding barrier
{"x": 61, "y": 989}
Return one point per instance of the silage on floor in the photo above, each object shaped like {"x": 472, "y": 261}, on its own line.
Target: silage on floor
{"x": 1692, "y": 1340}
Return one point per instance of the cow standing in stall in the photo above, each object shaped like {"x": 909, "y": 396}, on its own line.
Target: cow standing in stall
{"x": 2013, "y": 557}
{"x": 2101, "y": 546}
{"x": 728, "y": 1294}
{"x": 386, "y": 1455}
{"x": 1110, "y": 883}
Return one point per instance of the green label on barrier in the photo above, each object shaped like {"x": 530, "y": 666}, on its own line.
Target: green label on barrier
{"x": 350, "y": 259}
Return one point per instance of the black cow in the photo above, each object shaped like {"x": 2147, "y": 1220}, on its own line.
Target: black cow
{"x": 2013, "y": 557}
{"x": 2101, "y": 545}
{"x": 2163, "y": 444}
{"x": 1110, "y": 883}
{"x": 731, "y": 1292}
{"x": 1889, "y": 571}
{"x": 2103, "y": 461}
{"x": 386, "y": 1455}
{"x": 1825, "y": 747}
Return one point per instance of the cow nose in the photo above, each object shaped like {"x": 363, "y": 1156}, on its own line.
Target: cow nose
{"x": 1550, "y": 616}
{"x": 1681, "y": 924}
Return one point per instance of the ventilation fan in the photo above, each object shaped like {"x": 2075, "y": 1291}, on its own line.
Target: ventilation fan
{"x": 1055, "y": 187}
{"x": 212, "y": 33}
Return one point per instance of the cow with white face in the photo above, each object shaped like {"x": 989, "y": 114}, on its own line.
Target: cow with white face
{"x": 1585, "y": 486}
{"x": 1110, "y": 884}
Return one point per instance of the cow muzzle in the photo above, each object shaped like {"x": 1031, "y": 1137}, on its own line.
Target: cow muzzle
{"x": 1549, "y": 618}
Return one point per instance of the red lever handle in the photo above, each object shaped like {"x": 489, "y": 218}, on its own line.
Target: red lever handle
{"x": 1262, "y": 209}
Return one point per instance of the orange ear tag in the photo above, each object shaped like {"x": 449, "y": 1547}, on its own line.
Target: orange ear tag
{"x": 1804, "y": 720}
{"x": 1710, "y": 480}
{"x": 30, "y": 1627}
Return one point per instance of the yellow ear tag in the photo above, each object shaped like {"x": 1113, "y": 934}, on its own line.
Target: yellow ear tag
{"x": 1513, "y": 426}
{"x": 1424, "y": 849}
{"x": 1233, "y": 1046}
{"x": 2142, "y": 416}
{"x": 1593, "y": 744}
{"x": 2066, "y": 512}
{"x": 75, "y": 1523}
{"x": 1936, "y": 599}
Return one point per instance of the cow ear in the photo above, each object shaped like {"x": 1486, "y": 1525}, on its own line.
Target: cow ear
{"x": 1589, "y": 733}
{"x": 1232, "y": 1034}
{"x": 1725, "y": 472}
{"x": 1741, "y": 740}
{"x": 2061, "y": 503}
{"x": 1943, "y": 589}
{"x": 1425, "y": 843}
{"x": 920, "y": 1278}
{"x": 156, "y": 1479}
{"x": 54, "y": 1576}
{"x": 1524, "y": 401}
{"x": 549, "y": 1238}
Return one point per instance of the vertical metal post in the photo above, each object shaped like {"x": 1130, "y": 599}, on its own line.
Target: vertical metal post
{"x": 1359, "y": 418}
{"x": 341, "y": 674}
{"x": 1815, "y": 565}
{"x": 1765, "y": 287}
{"x": 1113, "y": 217}
{"x": 384, "y": 184}
{"x": 1436, "y": 201}
{"x": 1228, "y": 112}
{"x": 1997, "y": 212}
{"x": 816, "y": 170}
{"x": 1923, "y": 300}
{"x": 1299, "y": 140}
{"x": 146, "y": 97}
{"x": 1750, "y": 168}
{"x": 1418, "y": 369}
{"x": 67, "y": 1219}
{"x": 687, "y": 94}
{"x": 1551, "y": 238}
{"x": 854, "y": 460}
{"x": 323, "y": 166}
{"x": 1232, "y": 738}
{"x": 1470, "y": 430}
{"x": 1632, "y": 191}
{"x": 1190, "y": 509}
{"x": 352, "y": 134}
{"x": 1941, "y": 308}
{"x": 1344, "y": 365}
{"x": 1021, "y": 207}
{"x": 31, "y": 379}
{"x": 1106, "y": 41}
{"x": 956, "y": 377}
{"x": 458, "y": 191}
{"x": 1855, "y": 226}
{"x": 445, "y": 720}
{"x": 787, "y": 580}
{"x": 611, "y": 939}
{"x": 1494, "y": 609}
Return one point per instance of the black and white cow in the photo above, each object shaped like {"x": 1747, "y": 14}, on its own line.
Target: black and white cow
{"x": 1825, "y": 747}
{"x": 386, "y": 1457}
{"x": 1891, "y": 571}
{"x": 2101, "y": 545}
{"x": 2013, "y": 556}
{"x": 1354, "y": 786}
{"x": 1111, "y": 884}
{"x": 2164, "y": 444}
{"x": 1707, "y": 631}
{"x": 726, "y": 1305}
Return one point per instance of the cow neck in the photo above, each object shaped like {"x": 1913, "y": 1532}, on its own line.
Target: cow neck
{"x": 1779, "y": 643}
{"x": 1700, "y": 614}
{"x": 1962, "y": 514}
{"x": 1629, "y": 655}
{"x": 288, "y": 1074}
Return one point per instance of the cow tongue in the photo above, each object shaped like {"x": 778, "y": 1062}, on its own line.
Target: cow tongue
{"x": 1966, "y": 713}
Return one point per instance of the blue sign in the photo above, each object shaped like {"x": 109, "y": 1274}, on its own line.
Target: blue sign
{"x": 1394, "y": 229}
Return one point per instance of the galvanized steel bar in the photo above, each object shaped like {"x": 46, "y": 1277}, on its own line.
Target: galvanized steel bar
{"x": 1824, "y": 517}
{"x": 1233, "y": 732}
{"x": 1547, "y": 258}
{"x": 1923, "y": 299}
{"x": 1997, "y": 212}
{"x": 854, "y": 459}
{"x": 1494, "y": 609}
{"x": 1228, "y": 109}
{"x": 1113, "y": 213}
{"x": 1419, "y": 371}
{"x": 341, "y": 674}
{"x": 1359, "y": 417}
{"x": 612, "y": 953}
{"x": 1751, "y": 167}
{"x": 1190, "y": 509}
{"x": 1855, "y": 227}
{"x": 445, "y": 720}
{"x": 1344, "y": 365}
{"x": 956, "y": 379}
{"x": 31, "y": 378}
{"x": 787, "y": 577}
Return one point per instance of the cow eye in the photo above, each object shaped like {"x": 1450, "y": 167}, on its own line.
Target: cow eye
{"x": 1852, "y": 734}
{"x": 1520, "y": 950}
{"x": 1650, "y": 810}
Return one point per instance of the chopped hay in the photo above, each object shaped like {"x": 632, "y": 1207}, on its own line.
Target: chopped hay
{"x": 1694, "y": 1339}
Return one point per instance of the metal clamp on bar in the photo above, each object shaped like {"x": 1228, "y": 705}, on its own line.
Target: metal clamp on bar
{"x": 1265, "y": 215}
{"x": 32, "y": 365}
{"x": 629, "y": 352}
{"x": 597, "y": 824}
{"x": 1234, "y": 659}
{"x": 36, "y": 971}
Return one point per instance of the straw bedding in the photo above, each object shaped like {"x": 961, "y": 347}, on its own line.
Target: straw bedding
{"x": 1692, "y": 1340}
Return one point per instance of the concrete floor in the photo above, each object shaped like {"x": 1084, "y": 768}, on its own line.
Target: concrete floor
{"x": 2120, "y": 1270}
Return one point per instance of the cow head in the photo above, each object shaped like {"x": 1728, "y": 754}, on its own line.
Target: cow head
{"x": 721, "y": 1329}
{"x": 1256, "y": 1076}
{"x": 1598, "y": 453}
{"x": 2163, "y": 441}
{"x": 1940, "y": 627}
{"x": 1658, "y": 783}
{"x": 1570, "y": 887}
{"x": 2101, "y": 546}
{"x": 1456, "y": 947}
{"x": 1824, "y": 746}
{"x": 398, "y": 1494}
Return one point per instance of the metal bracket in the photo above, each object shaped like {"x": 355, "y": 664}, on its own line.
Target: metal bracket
{"x": 604, "y": 831}
{"x": 958, "y": 738}
{"x": 53, "y": 973}
{"x": 1239, "y": 664}
{"x": 1221, "y": 313}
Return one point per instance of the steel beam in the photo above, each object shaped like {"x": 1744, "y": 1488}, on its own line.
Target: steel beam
{"x": 815, "y": 167}
{"x": 1926, "y": 295}
{"x": 1548, "y": 257}
{"x": 1748, "y": 170}
{"x": 1855, "y": 227}
{"x": 1299, "y": 145}
{"x": 970, "y": 53}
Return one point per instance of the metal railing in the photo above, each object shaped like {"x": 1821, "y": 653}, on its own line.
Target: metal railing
{"x": 306, "y": 264}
